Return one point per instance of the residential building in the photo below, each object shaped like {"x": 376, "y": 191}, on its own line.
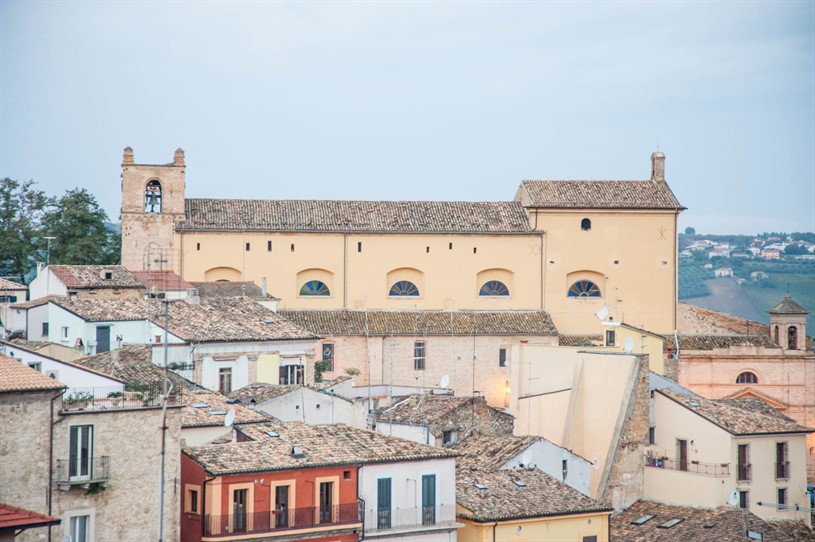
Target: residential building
{"x": 564, "y": 247}
{"x": 519, "y": 504}
{"x": 10, "y": 294}
{"x": 442, "y": 420}
{"x": 85, "y": 282}
{"x": 168, "y": 283}
{"x": 29, "y": 319}
{"x": 480, "y": 451}
{"x": 419, "y": 348}
{"x": 620, "y": 336}
{"x": 708, "y": 453}
{"x": 723, "y": 272}
{"x": 15, "y": 520}
{"x": 771, "y": 254}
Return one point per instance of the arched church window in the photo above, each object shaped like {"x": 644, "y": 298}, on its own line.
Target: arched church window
{"x": 152, "y": 197}
{"x": 494, "y": 287}
{"x": 747, "y": 378}
{"x": 404, "y": 288}
{"x": 585, "y": 224}
{"x": 315, "y": 287}
{"x": 584, "y": 288}
{"x": 775, "y": 335}
{"x": 792, "y": 338}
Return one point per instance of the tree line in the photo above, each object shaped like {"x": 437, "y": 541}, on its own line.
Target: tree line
{"x": 77, "y": 226}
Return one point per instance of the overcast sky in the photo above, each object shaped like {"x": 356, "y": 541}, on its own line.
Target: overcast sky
{"x": 419, "y": 100}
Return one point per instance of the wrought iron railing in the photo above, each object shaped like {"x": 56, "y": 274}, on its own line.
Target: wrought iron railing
{"x": 693, "y": 467}
{"x": 399, "y": 518}
{"x": 83, "y": 471}
{"x": 115, "y": 397}
{"x": 282, "y": 520}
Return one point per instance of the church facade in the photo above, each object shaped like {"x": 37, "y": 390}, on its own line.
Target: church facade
{"x": 569, "y": 248}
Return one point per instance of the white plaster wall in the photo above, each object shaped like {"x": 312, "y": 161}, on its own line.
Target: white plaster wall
{"x": 46, "y": 283}
{"x": 36, "y": 317}
{"x": 59, "y": 318}
{"x": 69, "y": 374}
{"x": 198, "y": 436}
{"x": 312, "y": 407}
{"x": 416, "y": 433}
{"x": 549, "y": 457}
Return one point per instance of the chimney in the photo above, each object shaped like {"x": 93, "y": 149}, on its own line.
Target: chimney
{"x": 40, "y": 267}
{"x": 263, "y": 286}
{"x": 178, "y": 157}
{"x": 127, "y": 156}
{"x": 658, "y": 167}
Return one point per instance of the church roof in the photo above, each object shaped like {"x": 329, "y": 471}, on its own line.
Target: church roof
{"x": 788, "y": 306}
{"x": 355, "y": 216}
{"x": 421, "y": 322}
{"x": 600, "y": 195}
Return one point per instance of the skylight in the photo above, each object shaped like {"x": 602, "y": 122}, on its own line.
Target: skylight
{"x": 273, "y": 434}
{"x": 643, "y": 519}
{"x": 479, "y": 486}
{"x": 217, "y": 412}
{"x": 693, "y": 403}
{"x": 670, "y": 523}
{"x": 519, "y": 483}
{"x": 199, "y": 405}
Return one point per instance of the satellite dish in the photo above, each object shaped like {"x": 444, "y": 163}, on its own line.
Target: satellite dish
{"x": 229, "y": 419}
{"x": 734, "y": 499}
{"x": 602, "y": 313}
{"x": 445, "y": 380}
{"x": 628, "y": 344}
{"x": 526, "y": 458}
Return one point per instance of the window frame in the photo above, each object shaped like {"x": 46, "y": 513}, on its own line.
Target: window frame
{"x": 585, "y": 224}
{"x": 328, "y": 360}
{"x": 314, "y": 288}
{"x": 404, "y": 288}
{"x": 747, "y": 377}
{"x": 89, "y": 513}
{"x": 502, "y": 357}
{"x": 222, "y": 372}
{"x": 494, "y": 288}
{"x": 584, "y": 288}
{"x": 419, "y": 355}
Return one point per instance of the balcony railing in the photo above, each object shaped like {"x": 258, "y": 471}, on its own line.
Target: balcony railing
{"x": 745, "y": 472}
{"x": 282, "y": 520}
{"x": 693, "y": 467}
{"x": 407, "y": 518}
{"x": 78, "y": 472}
{"x": 115, "y": 397}
{"x": 782, "y": 470}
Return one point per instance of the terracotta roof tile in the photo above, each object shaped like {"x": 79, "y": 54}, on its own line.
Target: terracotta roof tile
{"x": 355, "y": 216}
{"x": 600, "y": 195}
{"x": 194, "y": 414}
{"x": 262, "y": 392}
{"x": 320, "y": 445}
{"x": 541, "y": 495}
{"x": 430, "y": 409}
{"x": 384, "y": 322}
{"x": 91, "y": 276}
{"x": 788, "y": 306}
{"x": 247, "y": 288}
{"x": 490, "y": 452}
{"x": 9, "y": 285}
{"x": 30, "y": 304}
{"x": 12, "y": 518}
{"x": 735, "y": 418}
{"x": 162, "y": 280}
{"x": 699, "y": 320}
{"x": 16, "y": 376}
{"x": 133, "y": 364}
{"x": 709, "y": 342}
{"x": 580, "y": 340}
{"x": 697, "y": 525}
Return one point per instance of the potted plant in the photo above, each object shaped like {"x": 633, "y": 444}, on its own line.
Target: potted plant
{"x": 115, "y": 397}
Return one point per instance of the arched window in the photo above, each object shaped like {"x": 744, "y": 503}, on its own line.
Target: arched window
{"x": 404, "y": 288}
{"x": 747, "y": 378}
{"x": 792, "y": 338}
{"x": 314, "y": 287}
{"x": 494, "y": 287}
{"x": 152, "y": 197}
{"x": 584, "y": 288}
{"x": 775, "y": 335}
{"x": 585, "y": 224}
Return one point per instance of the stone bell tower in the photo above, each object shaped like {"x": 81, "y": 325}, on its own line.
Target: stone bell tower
{"x": 788, "y": 324}
{"x": 152, "y": 204}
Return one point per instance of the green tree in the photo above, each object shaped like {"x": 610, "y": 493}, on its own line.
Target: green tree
{"x": 82, "y": 235}
{"x": 690, "y": 231}
{"x": 22, "y": 209}
{"x": 795, "y": 249}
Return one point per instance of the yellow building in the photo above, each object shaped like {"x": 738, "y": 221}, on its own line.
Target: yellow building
{"x": 565, "y": 247}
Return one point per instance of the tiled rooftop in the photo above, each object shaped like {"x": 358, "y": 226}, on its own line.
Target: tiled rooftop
{"x": 320, "y": 445}
{"x": 214, "y": 413}
{"x": 502, "y": 498}
{"x": 213, "y": 320}
{"x": 429, "y": 408}
{"x": 16, "y": 376}
{"x": 692, "y": 319}
{"x": 133, "y": 364}
{"x": 788, "y": 306}
{"x": 580, "y": 340}
{"x": 698, "y": 525}
{"x": 600, "y": 195}
{"x": 709, "y": 342}
{"x": 247, "y": 288}
{"x": 92, "y": 276}
{"x": 13, "y": 518}
{"x": 261, "y": 392}
{"x": 162, "y": 281}
{"x": 735, "y": 418}
{"x": 355, "y": 216}
{"x": 30, "y": 304}
{"x": 9, "y": 285}
{"x": 490, "y": 452}
{"x": 384, "y": 322}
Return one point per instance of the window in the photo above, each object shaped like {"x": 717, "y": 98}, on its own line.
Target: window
{"x": 383, "y": 503}
{"x": 611, "y": 336}
{"x": 268, "y": 246}
{"x": 747, "y": 378}
{"x": 792, "y": 338}
{"x": 450, "y": 246}
{"x": 197, "y": 246}
{"x": 428, "y": 499}
{"x": 326, "y": 501}
{"x": 192, "y": 503}
{"x": 744, "y": 462}
{"x": 585, "y": 224}
{"x": 36, "y": 365}
{"x": 291, "y": 374}
{"x": 419, "y": 355}
{"x": 652, "y": 435}
{"x": 8, "y": 299}
{"x": 292, "y": 247}
{"x": 315, "y": 287}
{"x": 449, "y": 437}
{"x": 782, "y": 496}
{"x": 565, "y": 468}
{"x": 281, "y": 499}
{"x": 152, "y": 197}
{"x": 45, "y": 329}
{"x": 80, "y": 452}
{"x": 346, "y": 475}
{"x": 502, "y": 357}
{"x": 248, "y": 247}
{"x": 782, "y": 464}
{"x": 359, "y": 246}
{"x": 494, "y": 288}
{"x": 592, "y": 538}
{"x": 79, "y": 527}
{"x": 584, "y": 288}
{"x": 225, "y": 380}
{"x": 744, "y": 501}
{"x": 108, "y": 275}
{"x": 239, "y": 512}
{"x": 64, "y": 332}
{"x": 682, "y": 453}
{"x": 404, "y": 288}
{"x": 328, "y": 356}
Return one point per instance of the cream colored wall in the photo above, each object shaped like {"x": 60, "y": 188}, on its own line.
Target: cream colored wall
{"x": 683, "y": 489}
{"x": 554, "y": 529}
{"x": 360, "y": 279}
{"x": 640, "y": 289}
{"x": 268, "y": 368}
{"x": 575, "y": 399}
{"x": 644, "y": 343}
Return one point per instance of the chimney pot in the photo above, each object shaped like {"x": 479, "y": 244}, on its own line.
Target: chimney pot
{"x": 658, "y": 167}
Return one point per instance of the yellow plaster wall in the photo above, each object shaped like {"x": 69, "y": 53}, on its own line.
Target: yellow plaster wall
{"x": 643, "y": 343}
{"x": 268, "y": 368}
{"x": 554, "y": 529}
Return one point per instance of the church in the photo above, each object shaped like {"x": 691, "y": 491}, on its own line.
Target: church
{"x": 574, "y": 249}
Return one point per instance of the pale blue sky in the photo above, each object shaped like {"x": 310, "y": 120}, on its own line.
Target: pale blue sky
{"x": 425, "y": 101}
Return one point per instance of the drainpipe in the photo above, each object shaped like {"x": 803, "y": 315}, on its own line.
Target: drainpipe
{"x": 50, "y": 456}
{"x": 204, "y": 503}
{"x": 361, "y": 500}
{"x": 494, "y": 525}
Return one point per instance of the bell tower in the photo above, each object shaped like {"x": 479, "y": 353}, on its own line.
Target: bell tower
{"x": 152, "y": 205}
{"x": 788, "y": 324}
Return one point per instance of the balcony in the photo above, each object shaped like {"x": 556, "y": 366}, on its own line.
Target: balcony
{"x": 75, "y": 472}
{"x": 693, "y": 467}
{"x": 294, "y": 519}
{"x": 782, "y": 470}
{"x": 128, "y": 396}
{"x": 409, "y": 519}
